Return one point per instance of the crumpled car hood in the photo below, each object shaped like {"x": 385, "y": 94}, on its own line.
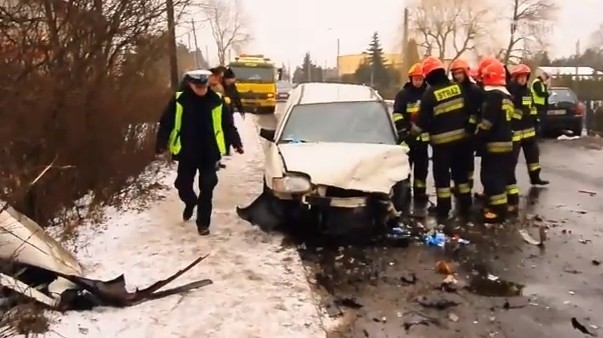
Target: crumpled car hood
{"x": 371, "y": 168}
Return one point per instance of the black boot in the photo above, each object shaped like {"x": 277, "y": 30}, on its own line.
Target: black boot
{"x": 188, "y": 211}
{"x": 203, "y": 230}
{"x": 535, "y": 178}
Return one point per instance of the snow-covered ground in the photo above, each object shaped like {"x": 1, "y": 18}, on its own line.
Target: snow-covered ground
{"x": 259, "y": 290}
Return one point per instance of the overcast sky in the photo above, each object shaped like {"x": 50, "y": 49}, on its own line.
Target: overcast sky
{"x": 285, "y": 29}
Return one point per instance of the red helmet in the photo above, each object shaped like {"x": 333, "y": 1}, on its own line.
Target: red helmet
{"x": 484, "y": 62}
{"x": 430, "y": 64}
{"x": 521, "y": 69}
{"x": 494, "y": 74}
{"x": 459, "y": 64}
{"x": 416, "y": 70}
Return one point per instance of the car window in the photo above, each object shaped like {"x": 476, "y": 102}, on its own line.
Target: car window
{"x": 562, "y": 95}
{"x": 254, "y": 74}
{"x": 347, "y": 122}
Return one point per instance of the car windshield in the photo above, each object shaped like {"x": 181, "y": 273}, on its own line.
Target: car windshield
{"x": 562, "y": 95}
{"x": 254, "y": 74}
{"x": 347, "y": 122}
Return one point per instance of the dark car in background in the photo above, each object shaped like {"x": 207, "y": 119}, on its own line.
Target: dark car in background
{"x": 565, "y": 112}
{"x": 282, "y": 90}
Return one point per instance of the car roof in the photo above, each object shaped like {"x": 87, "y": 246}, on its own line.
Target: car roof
{"x": 323, "y": 92}
{"x": 564, "y": 88}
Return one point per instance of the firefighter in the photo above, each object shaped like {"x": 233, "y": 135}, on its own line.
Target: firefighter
{"x": 406, "y": 112}
{"x": 460, "y": 72}
{"x": 494, "y": 135}
{"x": 522, "y": 103}
{"x": 193, "y": 128}
{"x": 442, "y": 115}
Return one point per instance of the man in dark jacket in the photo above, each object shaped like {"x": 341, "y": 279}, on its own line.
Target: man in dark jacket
{"x": 194, "y": 128}
{"x": 406, "y": 113}
{"x": 232, "y": 96}
{"x": 230, "y": 87}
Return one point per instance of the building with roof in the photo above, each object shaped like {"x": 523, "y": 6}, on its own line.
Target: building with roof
{"x": 580, "y": 73}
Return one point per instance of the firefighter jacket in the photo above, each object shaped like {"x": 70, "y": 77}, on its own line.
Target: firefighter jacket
{"x": 474, "y": 97}
{"x": 525, "y": 116}
{"x": 494, "y": 132}
{"x": 442, "y": 113}
{"x": 406, "y": 110}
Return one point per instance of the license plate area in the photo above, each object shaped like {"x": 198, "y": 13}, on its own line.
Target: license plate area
{"x": 556, "y": 112}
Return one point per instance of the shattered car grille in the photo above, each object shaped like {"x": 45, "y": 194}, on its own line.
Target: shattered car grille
{"x": 344, "y": 193}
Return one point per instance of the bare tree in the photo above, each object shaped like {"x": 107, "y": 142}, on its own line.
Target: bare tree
{"x": 442, "y": 25}
{"x": 596, "y": 38}
{"x": 228, "y": 25}
{"x": 529, "y": 22}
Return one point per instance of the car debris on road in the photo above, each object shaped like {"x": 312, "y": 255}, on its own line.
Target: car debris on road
{"x": 42, "y": 270}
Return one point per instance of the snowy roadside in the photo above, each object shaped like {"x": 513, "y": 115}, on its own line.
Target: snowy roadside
{"x": 259, "y": 290}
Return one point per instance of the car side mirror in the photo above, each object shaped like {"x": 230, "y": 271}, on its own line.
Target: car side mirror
{"x": 267, "y": 134}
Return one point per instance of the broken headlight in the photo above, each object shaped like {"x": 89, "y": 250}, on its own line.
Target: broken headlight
{"x": 291, "y": 184}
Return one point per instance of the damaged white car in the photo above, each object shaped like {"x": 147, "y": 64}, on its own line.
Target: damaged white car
{"x": 334, "y": 160}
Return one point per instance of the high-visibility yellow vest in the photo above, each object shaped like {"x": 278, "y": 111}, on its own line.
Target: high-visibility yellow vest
{"x": 538, "y": 100}
{"x": 216, "y": 114}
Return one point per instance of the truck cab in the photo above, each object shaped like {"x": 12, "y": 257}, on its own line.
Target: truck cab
{"x": 256, "y": 81}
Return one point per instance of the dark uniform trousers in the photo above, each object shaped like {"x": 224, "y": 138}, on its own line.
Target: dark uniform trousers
{"x": 495, "y": 167}
{"x": 208, "y": 179}
{"x": 512, "y": 187}
{"x": 419, "y": 160}
{"x": 529, "y": 144}
{"x": 449, "y": 159}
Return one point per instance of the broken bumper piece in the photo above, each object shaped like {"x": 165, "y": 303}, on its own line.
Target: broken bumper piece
{"x": 39, "y": 268}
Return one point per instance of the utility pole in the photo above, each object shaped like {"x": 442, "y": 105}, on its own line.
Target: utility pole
{"x": 207, "y": 54}
{"x": 338, "y": 54}
{"x": 404, "y": 52}
{"x": 171, "y": 22}
{"x": 197, "y": 61}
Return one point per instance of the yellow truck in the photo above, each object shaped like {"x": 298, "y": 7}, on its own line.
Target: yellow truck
{"x": 256, "y": 82}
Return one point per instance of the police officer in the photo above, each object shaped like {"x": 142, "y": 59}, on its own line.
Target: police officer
{"x": 494, "y": 135}
{"x": 192, "y": 129}
{"x": 406, "y": 112}
{"x": 540, "y": 96}
{"x": 443, "y": 116}
{"x": 460, "y": 71}
{"x": 540, "y": 93}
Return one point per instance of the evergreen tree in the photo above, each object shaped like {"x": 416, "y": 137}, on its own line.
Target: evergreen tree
{"x": 373, "y": 70}
{"x": 308, "y": 72}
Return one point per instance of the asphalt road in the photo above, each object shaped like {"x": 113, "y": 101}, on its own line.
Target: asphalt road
{"x": 538, "y": 290}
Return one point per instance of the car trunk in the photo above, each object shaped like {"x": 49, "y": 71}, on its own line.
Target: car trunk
{"x": 561, "y": 109}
